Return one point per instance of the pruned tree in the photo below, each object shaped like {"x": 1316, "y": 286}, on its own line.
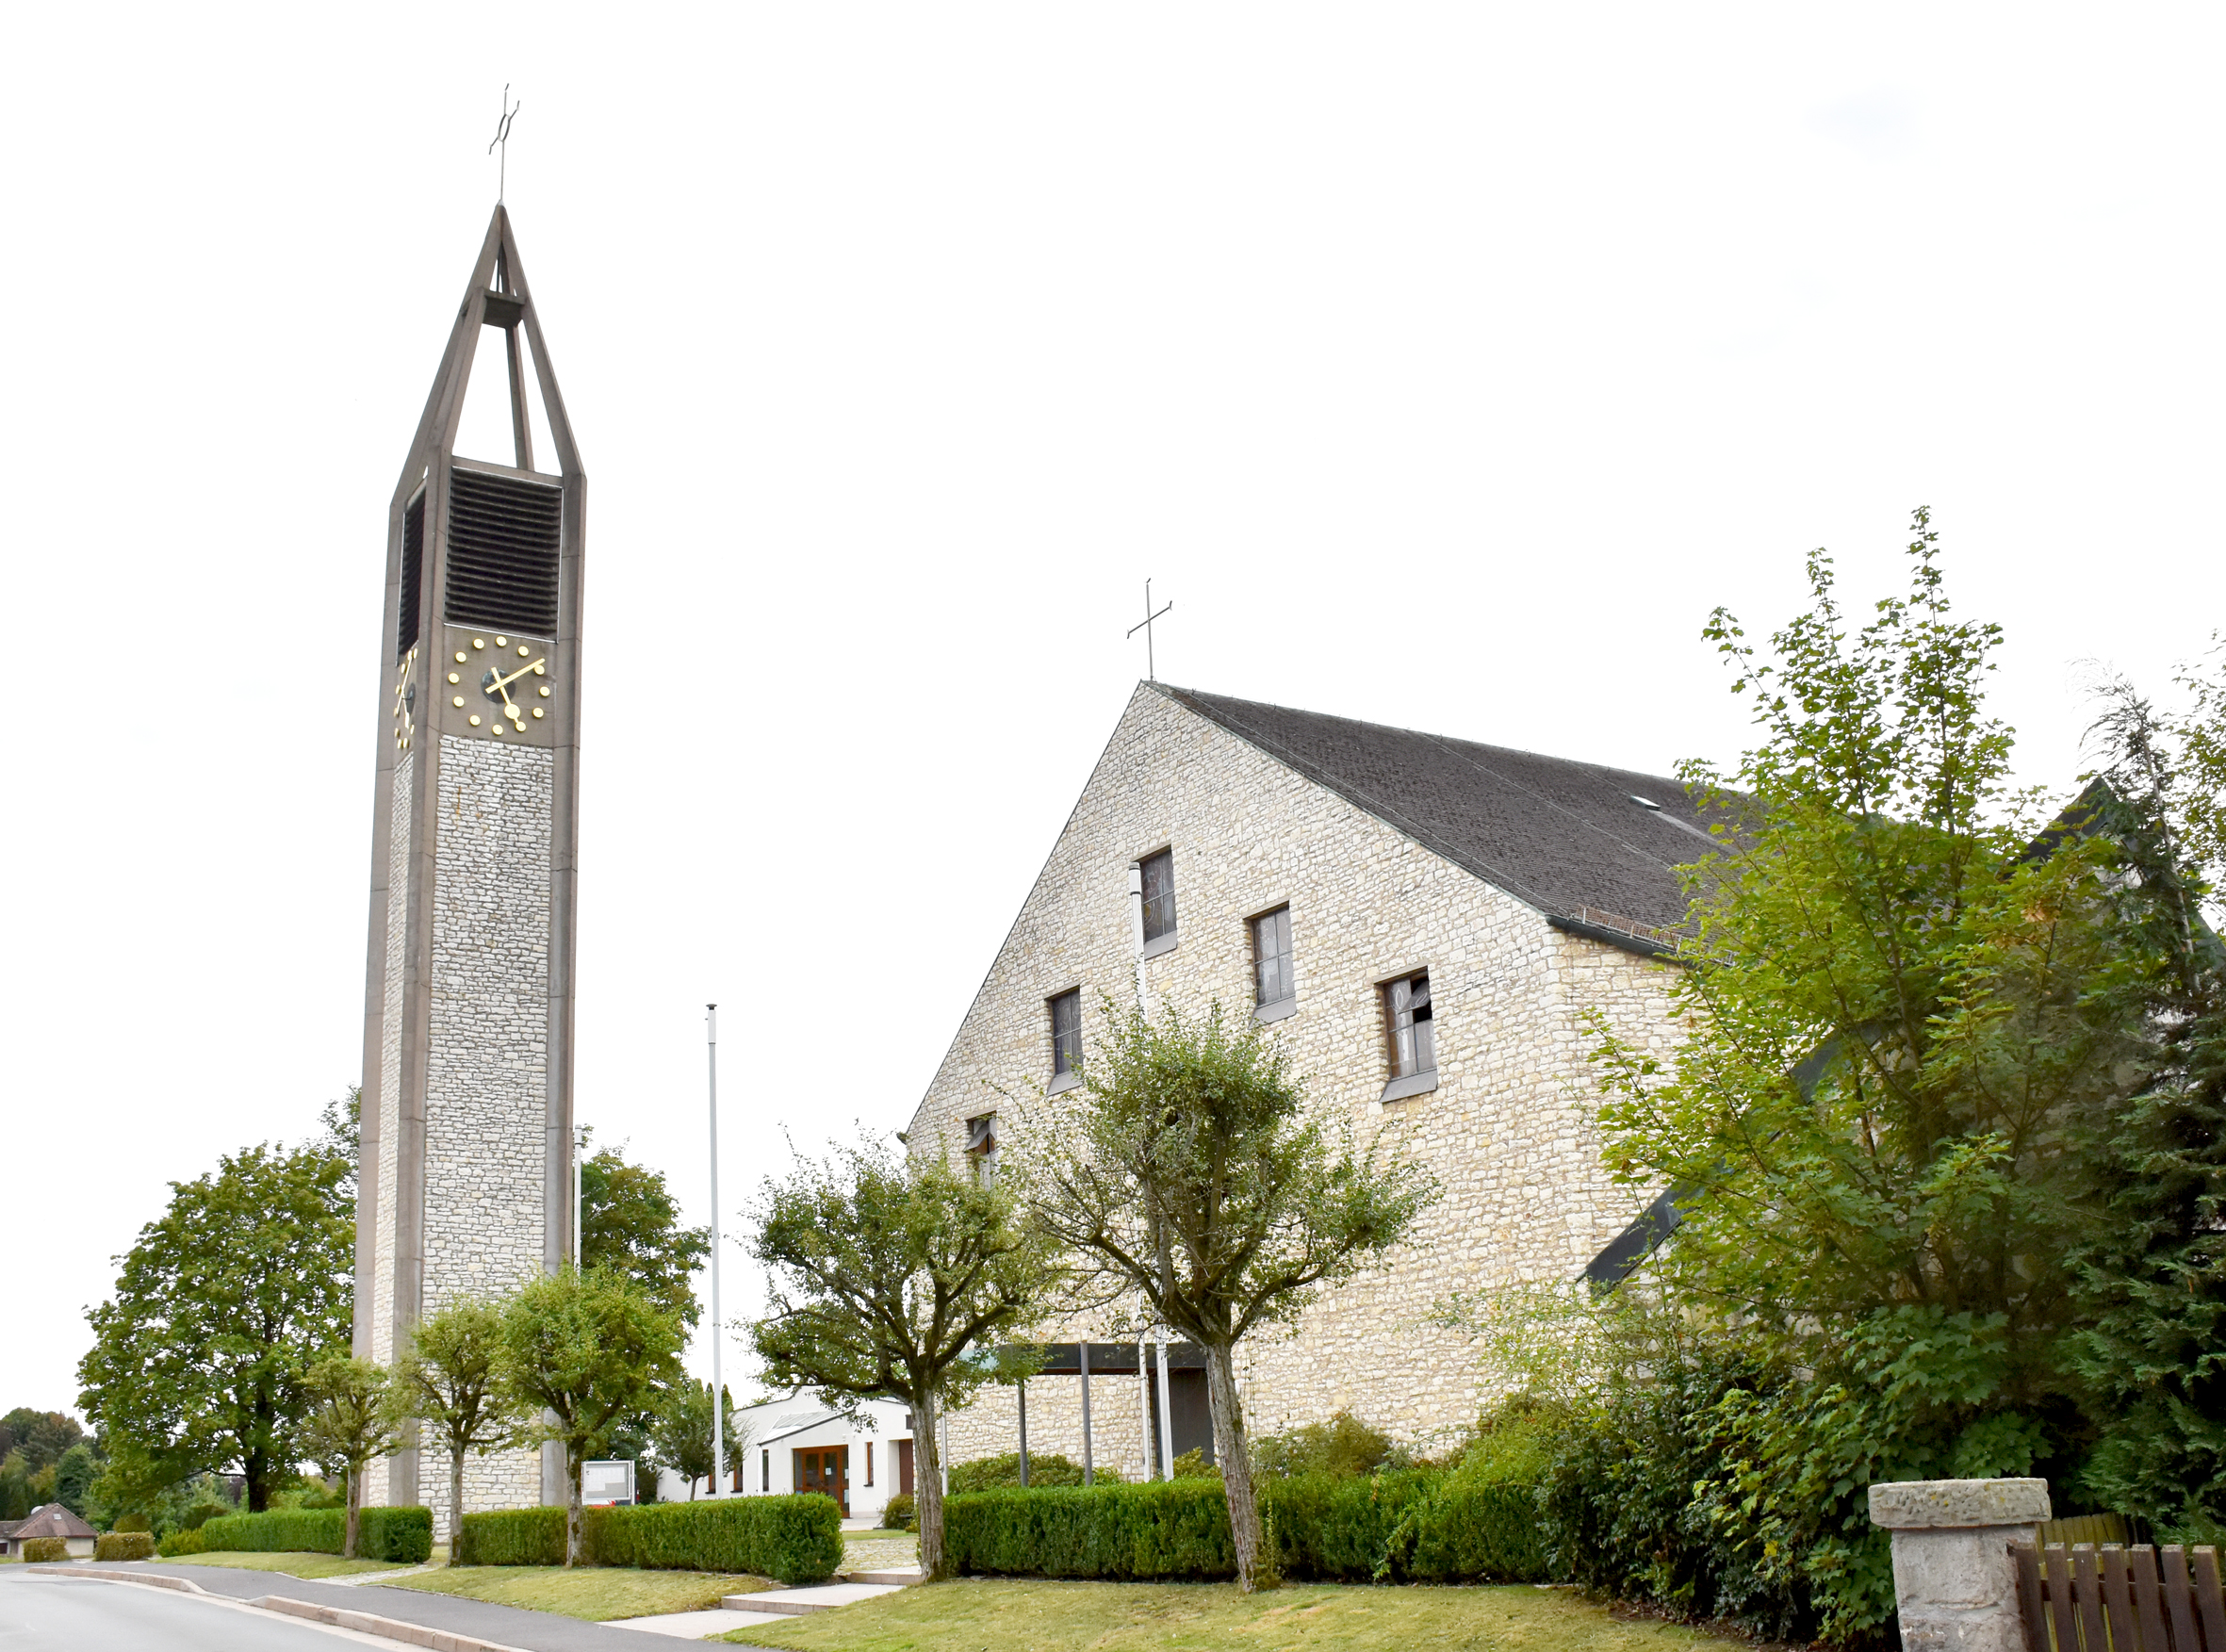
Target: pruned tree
{"x": 889, "y": 1276}
{"x": 589, "y": 1349}
{"x": 1189, "y": 1170}
{"x": 355, "y": 1416}
{"x": 450, "y": 1378}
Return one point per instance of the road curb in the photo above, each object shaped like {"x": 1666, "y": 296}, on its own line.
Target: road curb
{"x": 386, "y": 1628}
{"x": 109, "y": 1575}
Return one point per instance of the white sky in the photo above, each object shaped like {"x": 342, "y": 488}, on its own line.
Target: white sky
{"x": 1445, "y": 365}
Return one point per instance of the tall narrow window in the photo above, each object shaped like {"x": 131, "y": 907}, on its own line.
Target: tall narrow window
{"x": 1271, "y": 958}
{"x": 869, "y": 1463}
{"x": 1066, "y": 1040}
{"x": 764, "y": 1471}
{"x": 981, "y": 1148}
{"x": 1159, "y": 895}
{"x": 1412, "y": 1028}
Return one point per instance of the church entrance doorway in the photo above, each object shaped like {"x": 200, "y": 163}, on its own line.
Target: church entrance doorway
{"x": 825, "y": 1469}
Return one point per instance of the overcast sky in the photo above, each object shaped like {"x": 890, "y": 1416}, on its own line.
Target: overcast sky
{"x": 1444, "y": 366}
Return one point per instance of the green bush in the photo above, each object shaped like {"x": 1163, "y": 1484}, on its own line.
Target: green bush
{"x": 1418, "y": 1524}
{"x": 45, "y": 1549}
{"x": 186, "y": 1540}
{"x": 134, "y": 1523}
{"x": 123, "y": 1545}
{"x": 201, "y": 1514}
{"x": 1343, "y": 1445}
{"x": 404, "y": 1535}
{"x": 1044, "y": 1468}
{"x": 796, "y": 1539}
{"x": 1167, "y": 1528}
{"x": 899, "y": 1514}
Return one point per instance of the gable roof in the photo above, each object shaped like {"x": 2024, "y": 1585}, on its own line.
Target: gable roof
{"x": 51, "y": 1520}
{"x": 1569, "y": 838}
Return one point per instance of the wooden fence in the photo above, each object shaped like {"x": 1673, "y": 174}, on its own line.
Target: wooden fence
{"x": 2118, "y": 1599}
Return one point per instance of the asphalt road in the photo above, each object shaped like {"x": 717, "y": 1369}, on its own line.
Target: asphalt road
{"x": 78, "y": 1614}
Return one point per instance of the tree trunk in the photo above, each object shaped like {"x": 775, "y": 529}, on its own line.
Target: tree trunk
{"x": 927, "y": 1489}
{"x": 355, "y": 1511}
{"x": 455, "y": 1500}
{"x": 1235, "y": 1456}
{"x": 572, "y": 1506}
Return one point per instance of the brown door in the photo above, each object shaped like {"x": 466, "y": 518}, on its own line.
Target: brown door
{"x": 825, "y": 1469}
{"x": 904, "y": 1467}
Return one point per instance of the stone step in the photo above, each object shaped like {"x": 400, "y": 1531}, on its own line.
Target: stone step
{"x": 791, "y": 1602}
{"x": 897, "y": 1575}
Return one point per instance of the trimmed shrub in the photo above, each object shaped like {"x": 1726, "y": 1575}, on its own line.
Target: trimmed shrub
{"x": 1044, "y": 1468}
{"x": 1420, "y": 1525}
{"x": 1343, "y": 1445}
{"x": 45, "y": 1549}
{"x": 123, "y": 1545}
{"x": 383, "y": 1534}
{"x": 186, "y": 1540}
{"x": 899, "y": 1514}
{"x": 402, "y": 1535}
{"x": 1167, "y": 1528}
{"x": 794, "y": 1539}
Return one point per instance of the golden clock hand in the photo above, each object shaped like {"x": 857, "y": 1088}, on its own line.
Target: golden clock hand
{"x": 504, "y": 682}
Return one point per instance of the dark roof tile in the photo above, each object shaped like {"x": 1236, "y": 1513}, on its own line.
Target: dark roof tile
{"x": 1562, "y": 835}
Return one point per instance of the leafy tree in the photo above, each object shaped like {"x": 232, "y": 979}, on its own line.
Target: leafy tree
{"x": 683, "y": 1436}
{"x": 75, "y": 1472}
{"x": 631, "y": 1223}
{"x": 342, "y": 1121}
{"x": 589, "y": 1349}
{"x": 202, "y": 1355}
{"x": 889, "y": 1277}
{"x": 2152, "y": 1281}
{"x": 1910, "y": 1014}
{"x": 42, "y": 1436}
{"x": 15, "y": 1486}
{"x": 450, "y": 1377}
{"x": 353, "y": 1417}
{"x": 1188, "y": 1171}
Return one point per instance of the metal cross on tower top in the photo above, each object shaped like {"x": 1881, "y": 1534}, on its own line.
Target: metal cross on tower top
{"x": 502, "y": 141}
{"x": 1144, "y": 625}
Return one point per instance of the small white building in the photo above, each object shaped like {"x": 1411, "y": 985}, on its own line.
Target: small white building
{"x": 799, "y": 1445}
{"x": 50, "y": 1520}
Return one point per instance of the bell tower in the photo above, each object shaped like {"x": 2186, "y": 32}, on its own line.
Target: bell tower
{"x": 465, "y": 1188}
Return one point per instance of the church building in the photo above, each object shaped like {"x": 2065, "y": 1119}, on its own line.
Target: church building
{"x": 1425, "y": 922}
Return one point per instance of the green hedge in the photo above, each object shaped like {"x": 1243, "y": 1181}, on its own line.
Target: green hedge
{"x": 796, "y": 1539}
{"x": 1410, "y": 1524}
{"x": 123, "y": 1545}
{"x": 404, "y": 1535}
{"x": 45, "y": 1549}
{"x": 184, "y": 1541}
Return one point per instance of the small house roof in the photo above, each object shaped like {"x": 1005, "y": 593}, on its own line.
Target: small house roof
{"x": 52, "y": 1520}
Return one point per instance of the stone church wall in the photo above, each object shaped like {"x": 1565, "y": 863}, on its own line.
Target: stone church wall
{"x": 1508, "y": 1131}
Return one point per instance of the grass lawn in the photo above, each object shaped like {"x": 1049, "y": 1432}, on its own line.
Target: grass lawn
{"x": 597, "y": 1593}
{"x": 294, "y": 1563}
{"x": 1032, "y": 1616}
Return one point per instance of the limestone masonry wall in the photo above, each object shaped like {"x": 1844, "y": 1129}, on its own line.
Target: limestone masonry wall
{"x": 487, "y": 1074}
{"x": 1508, "y": 1130}
{"x": 398, "y": 912}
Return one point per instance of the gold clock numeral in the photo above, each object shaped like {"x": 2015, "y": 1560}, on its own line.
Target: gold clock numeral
{"x": 454, "y": 677}
{"x": 541, "y": 669}
{"x": 475, "y": 719}
{"x": 502, "y": 642}
{"x": 521, "y": 647}
{"x": 479, "y": 642}
{"x": 536, "y": 711}
{"x": 459, "y": 655}
{"x": 457, "y": 701}
{"x": 545, "y": 691}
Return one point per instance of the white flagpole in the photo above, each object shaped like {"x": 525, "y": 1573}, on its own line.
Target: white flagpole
{"x": 711, "y": 1028}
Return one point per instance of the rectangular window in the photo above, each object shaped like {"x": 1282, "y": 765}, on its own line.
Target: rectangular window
{"x": 1412, "y": 1030}
{"x": 981, "y": 1148}
{"x": 1271, "y": 958}
{"x": 869, "y": 1463}
{"x": 1159, "y": 895}
{"x": 1066, "y": 1035}
{"x": 764, "y": 1471}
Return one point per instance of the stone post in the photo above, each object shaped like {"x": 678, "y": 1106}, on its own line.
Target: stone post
{"x": 1954, "y": 1583}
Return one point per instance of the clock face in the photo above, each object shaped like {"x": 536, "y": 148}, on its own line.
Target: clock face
{"x": 405, "y": 700}
{"x": 497, "y": 687}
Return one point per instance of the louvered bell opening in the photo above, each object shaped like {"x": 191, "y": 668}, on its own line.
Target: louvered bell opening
{"x": 502, "y": 552}
{"x": 413, "y": 574}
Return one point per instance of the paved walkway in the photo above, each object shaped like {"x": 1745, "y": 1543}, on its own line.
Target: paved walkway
{"x": 507, "y": 1625}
